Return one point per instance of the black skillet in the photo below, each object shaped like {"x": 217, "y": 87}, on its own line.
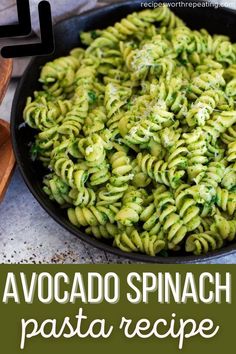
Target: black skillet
{"x": 222, "y": 21}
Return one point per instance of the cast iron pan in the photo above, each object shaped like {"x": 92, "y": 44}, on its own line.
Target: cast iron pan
{"x": 67, "y": 37}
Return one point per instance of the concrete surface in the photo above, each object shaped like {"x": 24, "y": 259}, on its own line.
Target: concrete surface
{"x": 29, "y": 235}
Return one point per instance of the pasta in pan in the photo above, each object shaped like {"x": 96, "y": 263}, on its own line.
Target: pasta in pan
{"x": 137, "y": 130}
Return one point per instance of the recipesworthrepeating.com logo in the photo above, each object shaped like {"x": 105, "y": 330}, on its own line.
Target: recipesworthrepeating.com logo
{"x": 206, "y": 4}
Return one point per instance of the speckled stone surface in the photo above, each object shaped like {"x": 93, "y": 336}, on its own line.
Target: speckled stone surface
{"x": 29, "y": 235}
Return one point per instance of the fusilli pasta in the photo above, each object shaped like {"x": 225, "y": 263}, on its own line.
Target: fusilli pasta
{"x": 138, "y": 132}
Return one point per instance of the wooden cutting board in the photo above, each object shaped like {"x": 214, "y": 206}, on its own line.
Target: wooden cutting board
{"x": 5, "y": 75}
{"x": 7, "y": 160}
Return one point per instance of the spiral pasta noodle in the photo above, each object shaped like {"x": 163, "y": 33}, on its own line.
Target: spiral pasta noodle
{"x": 135, "y": 242}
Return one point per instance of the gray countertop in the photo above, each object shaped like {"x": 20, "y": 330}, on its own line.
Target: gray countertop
{"x": 29, "y": 235}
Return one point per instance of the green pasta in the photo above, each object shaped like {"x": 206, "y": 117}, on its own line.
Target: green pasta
{"x": 138, "y": 132}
